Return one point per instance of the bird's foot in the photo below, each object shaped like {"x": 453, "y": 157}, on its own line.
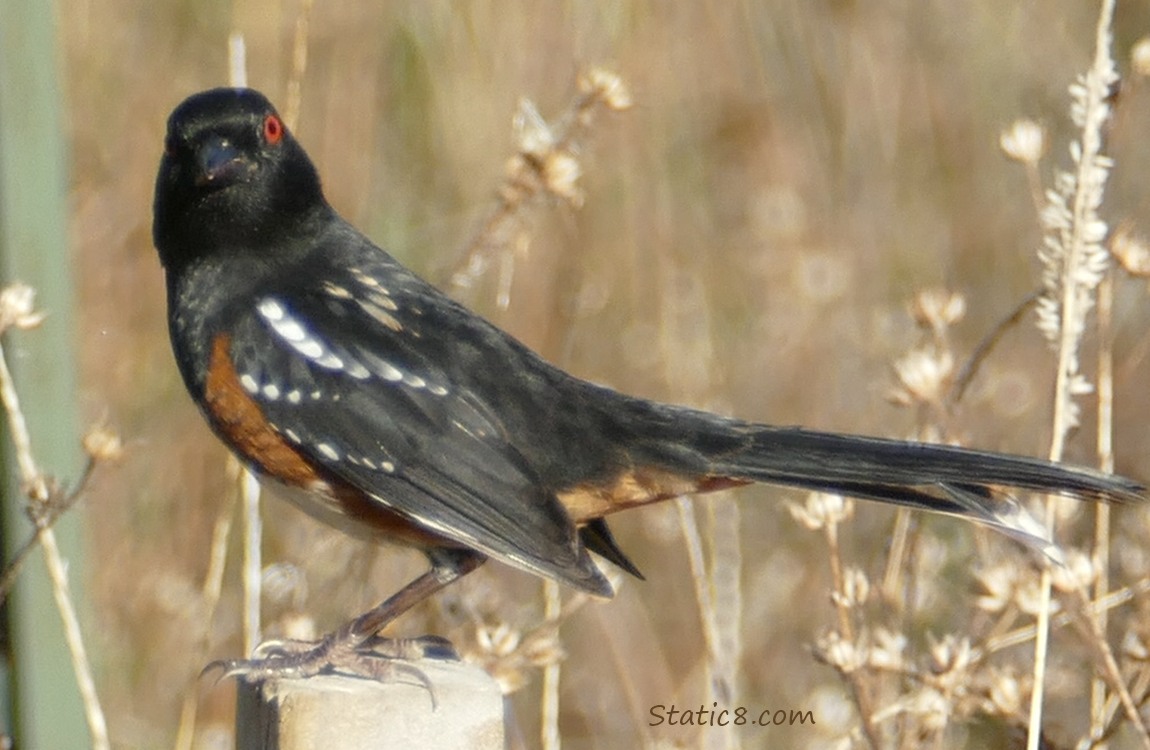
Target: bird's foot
{"x": 374, "y": 658}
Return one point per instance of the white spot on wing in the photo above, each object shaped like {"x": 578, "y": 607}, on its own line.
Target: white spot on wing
{"x": 309, "y": 348}
{"x": 437, "y": 390}
{"x": 382, "y": 315}
{"x": 336, "y": 290}
{"x": 356, "y": 370}
{"x": 294, "y": 396}
{"x": 329, "y": 361}
{"x": 381, "y": 367}
{"x": 272, "y": 391}
{"x": 249, "y": 383}
{"x": 271, "y": 309}
{"x": 382, "y": 299}
{"x": 387, "y": 466}
{"x": 366, "y": 279}
{"x": 292, "y": 331}
{"x": 328, "y": 451}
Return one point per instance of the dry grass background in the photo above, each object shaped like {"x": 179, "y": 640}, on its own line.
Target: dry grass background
{"x": 791, "y": 174}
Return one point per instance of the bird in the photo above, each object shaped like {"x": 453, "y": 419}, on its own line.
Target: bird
{"x": 381, "y": 406}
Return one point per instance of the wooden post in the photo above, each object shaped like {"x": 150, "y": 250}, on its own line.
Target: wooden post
{"x": 349, "y": 713}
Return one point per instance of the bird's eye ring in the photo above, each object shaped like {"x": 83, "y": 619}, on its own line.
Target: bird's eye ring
{"x": 273, "y": 130}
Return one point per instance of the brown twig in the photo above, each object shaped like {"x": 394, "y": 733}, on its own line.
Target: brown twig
{"x": 986, "y": 345}
{"x": 51, "y": 512}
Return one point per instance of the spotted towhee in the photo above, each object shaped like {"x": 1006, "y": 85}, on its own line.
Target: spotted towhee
{"x": 388, "y": 410}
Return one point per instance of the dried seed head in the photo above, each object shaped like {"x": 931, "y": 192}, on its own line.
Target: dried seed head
{"x": 1005, "y": 694}
{"x": 497, "y": 640}
{"x": 950, "y": 655}
{"x": 16, "y": 307}
{"x": 821, "y": 509}
{"x": 1024, "y": 141}
{"x": 1140, "y": 56}
{"x": 1131, "y": 252}
{"x": 102, "y": 444}
{"x": 932, "y": 708}
{"x": 561, "y": 172}
{"x": 937, "y": 309}
{"x": 1134, "y": 646}
{"x": 607, "y": 86}
{"x": 840, "y": 653}
{"x": 507, "y": 654}
{"x": 856, "y": 588}
{"x": 998, "y": 584}
{"x": 924, "y": 375}
{"x": 887, "y": 651}
{"x": 1075, "y": 575}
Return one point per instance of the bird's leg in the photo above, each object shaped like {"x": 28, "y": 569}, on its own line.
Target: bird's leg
{"x": 355, "y": 648}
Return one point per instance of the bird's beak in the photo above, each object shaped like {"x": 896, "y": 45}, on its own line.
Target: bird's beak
{"x": 220, "y": 163}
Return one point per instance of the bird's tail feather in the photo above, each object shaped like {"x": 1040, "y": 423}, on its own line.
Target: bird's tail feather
{"x": 940, "y": 478}
{"x": 885, "y": 469}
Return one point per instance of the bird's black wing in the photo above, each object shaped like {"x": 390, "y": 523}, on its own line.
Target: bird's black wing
{"x": 349, "y": 361}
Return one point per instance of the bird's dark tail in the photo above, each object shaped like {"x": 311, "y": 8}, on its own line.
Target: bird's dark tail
{"x": 940, "y": 478}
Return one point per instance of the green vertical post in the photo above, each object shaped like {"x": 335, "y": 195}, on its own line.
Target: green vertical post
{"x": 44, "y": 709}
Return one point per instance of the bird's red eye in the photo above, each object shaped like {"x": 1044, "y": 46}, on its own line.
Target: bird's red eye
{"x": 273, "y": 129}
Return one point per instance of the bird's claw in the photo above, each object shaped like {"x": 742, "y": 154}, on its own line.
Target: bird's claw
{"x": 379, "y": 659}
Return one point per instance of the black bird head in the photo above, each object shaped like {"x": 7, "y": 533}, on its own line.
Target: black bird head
{"x": 232, "y": 179}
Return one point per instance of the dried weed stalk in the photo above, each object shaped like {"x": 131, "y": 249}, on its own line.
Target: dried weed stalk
{"x": 46, "y": 501}
{"x": 546, "y": 165}
{"x": 1074, "y": 262}
{"x": 954, "y": 679}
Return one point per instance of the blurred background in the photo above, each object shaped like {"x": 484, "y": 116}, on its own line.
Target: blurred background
{"x": 791, "y": 173}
